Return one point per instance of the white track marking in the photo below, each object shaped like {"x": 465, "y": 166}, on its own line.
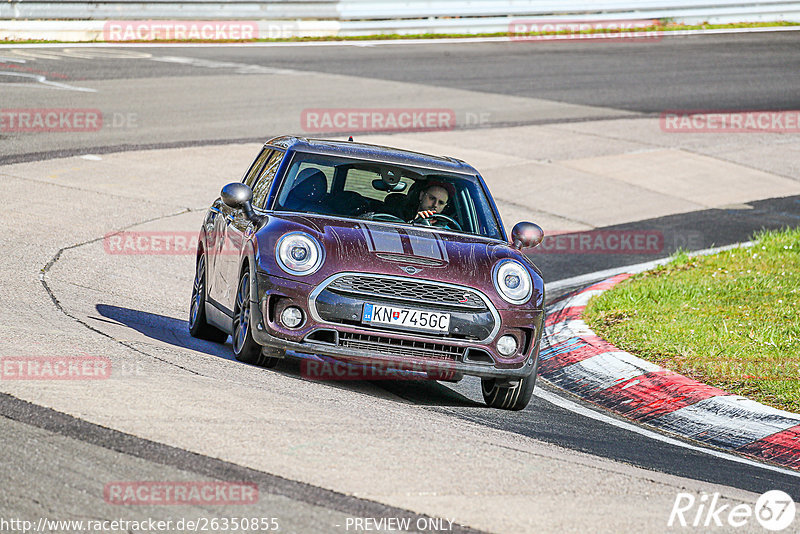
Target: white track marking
{"x": 586, "y": 412}
{"x": 84, "y": 53}
{"x": 44, "y": 81}
{"x": 241, "y": 68}
{"x": 33, "y": 55}
{"x": 607, "y": 369}
{"x": 579, "y": 300}
{"x": 25, "y": 55}
{"x": 730, "y": 418}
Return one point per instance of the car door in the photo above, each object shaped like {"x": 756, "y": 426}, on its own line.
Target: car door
{"x": 219, "y": 247}
{"x": 239, "y": 229}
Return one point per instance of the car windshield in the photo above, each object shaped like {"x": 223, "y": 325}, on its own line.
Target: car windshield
{"x": 345, "y": 187}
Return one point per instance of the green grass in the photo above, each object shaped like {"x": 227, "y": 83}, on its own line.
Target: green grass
{"x": 731, "y": 320}
{"x": 662, "y": 26}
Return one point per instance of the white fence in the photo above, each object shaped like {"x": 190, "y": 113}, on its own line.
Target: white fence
{"x": 395, "y": 9}
{"x": 352, "y": 10}
{"x": 74, "y": 20}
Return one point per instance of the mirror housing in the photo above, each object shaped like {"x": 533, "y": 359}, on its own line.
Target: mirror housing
{"x": 526, "y": 235}
{"x": 380, "y": 185}
{"x": 237, "y": 195}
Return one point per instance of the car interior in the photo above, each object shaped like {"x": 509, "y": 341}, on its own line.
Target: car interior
{"x": 380, "y": 192}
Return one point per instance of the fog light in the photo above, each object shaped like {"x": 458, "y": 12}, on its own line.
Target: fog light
{"x": 292, "y": 317}
{"x": 507, "y": 345}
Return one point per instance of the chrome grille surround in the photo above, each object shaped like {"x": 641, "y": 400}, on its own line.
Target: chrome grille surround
{"x": 400, "y": 288}
{"x": 333, "y": 278}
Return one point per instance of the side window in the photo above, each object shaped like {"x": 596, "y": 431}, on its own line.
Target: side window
{"x": 255, "y": 168}
{"x": 264, "y": 182}
{"x": 326, "y": 170}
{"x": 289, "y": 181}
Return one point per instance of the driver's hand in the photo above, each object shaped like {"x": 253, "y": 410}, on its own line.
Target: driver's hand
{"x": 425, "y": 214}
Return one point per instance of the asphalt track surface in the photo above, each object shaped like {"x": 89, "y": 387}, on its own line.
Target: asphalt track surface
{"x": 726, "y": 72}
{"x": 740, "y": 72}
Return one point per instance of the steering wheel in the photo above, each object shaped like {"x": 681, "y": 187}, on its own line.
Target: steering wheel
{"x": 387, "y": 217}
{"x": 427, "y": 220}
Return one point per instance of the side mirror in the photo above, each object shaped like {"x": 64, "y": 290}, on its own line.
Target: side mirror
{"x": 239, "y": 196}
{"x": 526, "y": 235}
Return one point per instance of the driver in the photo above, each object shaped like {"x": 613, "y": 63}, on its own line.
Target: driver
{"x": 433, "y": 199}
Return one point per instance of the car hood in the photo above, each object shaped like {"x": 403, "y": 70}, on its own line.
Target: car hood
{"x": 403, "y": 250}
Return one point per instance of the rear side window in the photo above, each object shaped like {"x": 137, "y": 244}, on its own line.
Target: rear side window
{"x": 264, "y": 182}
{"x": 255, "y": 169}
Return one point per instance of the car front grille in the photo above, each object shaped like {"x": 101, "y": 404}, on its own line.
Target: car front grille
{"x": 402, "y": 348}
{"x": 411, "y": 291}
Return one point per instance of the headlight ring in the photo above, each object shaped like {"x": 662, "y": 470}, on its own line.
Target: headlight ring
{"x": 299, "y": 254}
{"x": 512, "y": 281}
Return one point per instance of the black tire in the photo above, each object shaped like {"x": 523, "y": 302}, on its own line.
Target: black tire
{"x": 514, "y": 397}
{"x": 198, "y": 327}
{"x": 245, "y": 347}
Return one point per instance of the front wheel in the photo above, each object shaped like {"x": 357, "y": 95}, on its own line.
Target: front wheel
{"x": 198, "y": 326}
{"x": 508, "y": 397}
{"x": 245, "y": 347}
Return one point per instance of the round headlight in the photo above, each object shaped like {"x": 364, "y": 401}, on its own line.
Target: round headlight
{"x": 299, "y": 254}
{"x": 512, "y": 281}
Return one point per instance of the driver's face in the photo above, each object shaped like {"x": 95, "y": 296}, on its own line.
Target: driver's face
{"x": 434, "y": 198}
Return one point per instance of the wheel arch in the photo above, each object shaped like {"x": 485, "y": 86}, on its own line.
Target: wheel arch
{"x": 248, "y": 263}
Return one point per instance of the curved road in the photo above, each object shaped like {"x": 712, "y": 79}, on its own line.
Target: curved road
{"x": 554, "y": 125}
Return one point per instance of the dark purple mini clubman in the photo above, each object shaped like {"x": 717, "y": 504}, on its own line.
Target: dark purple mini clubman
{"x": 375, "y": 255}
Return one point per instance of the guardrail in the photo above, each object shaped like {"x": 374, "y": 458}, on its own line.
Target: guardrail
{"x": 642, "y": 9}
{"x": 346, "y": 10}
{"x": 169, "y": 9}
{"x": 78, "y": 20}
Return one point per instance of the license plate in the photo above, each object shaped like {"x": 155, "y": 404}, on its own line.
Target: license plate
{"x": 406, "y": 318}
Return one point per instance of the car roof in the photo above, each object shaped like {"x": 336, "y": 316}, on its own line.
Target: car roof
{"x": 371, "y": 152}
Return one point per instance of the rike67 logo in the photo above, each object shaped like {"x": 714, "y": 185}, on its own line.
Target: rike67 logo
{"x": 774, "y": 510}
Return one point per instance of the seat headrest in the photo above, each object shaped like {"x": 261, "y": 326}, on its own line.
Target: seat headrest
{"x": 311, "y": 186}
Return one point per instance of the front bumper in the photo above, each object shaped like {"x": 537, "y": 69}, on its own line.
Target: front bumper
{"x": 388, "y": 348}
